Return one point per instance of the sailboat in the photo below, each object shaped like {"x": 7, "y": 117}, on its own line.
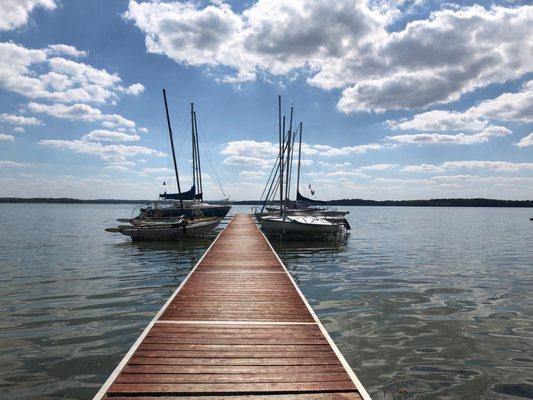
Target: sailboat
{"x": 178, "y": 222}
{"x": 189, "y": 203}
{"x": 293, "y": 218}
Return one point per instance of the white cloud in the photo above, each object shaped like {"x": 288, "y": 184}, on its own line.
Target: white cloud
{"x": 14, "y": 13}
{"x": 508, "y": 106}
{"x": 112, "y": 152}
{"x": 379, "y": 167}
{"x": 82, "y": 112}
{"x": 37, "y": 74}
{"x": 459, "y": 138}
{"x": 506, "y": 166}
{"x": 526, "y": 141}
{"x": 16, "y": 164}
{"x": 426, "y": 168}
{"x": 19, "y": 129}
{"x": 158, "y": 171}
{"x": 498, "y": 166}
{"x": 135, "y": 89}
{"x": 19, "y": 120}
{"x": 250, "y": 148}
{"x": 64, "y": 49}
{"x": 246, "y": 160}
{"x": 347, "y": 45}
{"x": 441, "y": 121}
{"x": 6, "y": 138}
{"x": 118, "y": 168}
{"x": 252, "y": 175}
{"x": 330, "y": 151}
{"x": 110, "y": 136}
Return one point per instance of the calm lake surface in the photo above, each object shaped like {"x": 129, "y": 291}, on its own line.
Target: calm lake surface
{"x": 439, "y": 299}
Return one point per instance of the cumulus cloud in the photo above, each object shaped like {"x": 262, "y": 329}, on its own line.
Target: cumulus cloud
{"x": 246, "y": 160}
{"x": 65, "y": 49}
{"x": 112, "y": 152}
{"x": 440, "y": 121}
{"x": 250, "y": 148}
{"x": 19, "y": 120}
{"x": 499, "y": 166}
{"x": 14, "y": 13}
{"x": 506, "y": 166}
{"x": 82, "y": 112}
{"x": 16, "y": 164}
{"x": 110, "y": 136}
{"x": 252, "y": 175}
{"x": 251, "y": 152}
{"x": 427, "y": 168}
{"x": 526, "y": 141}
{"x": 347, "y": 45}
{"x": 506, "y": 107}
{"x": 459, "y": 138}
{"x": 379, "y": 167}
{"x": 38, "y": 74}
{"x": 6, "y": 138}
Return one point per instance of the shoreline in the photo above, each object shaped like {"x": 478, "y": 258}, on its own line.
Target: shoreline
{"x": 453, "y": 202}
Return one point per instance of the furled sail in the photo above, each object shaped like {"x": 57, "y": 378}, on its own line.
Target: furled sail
{"x": 304, "y": 200}
{"x": 188, "y": 195}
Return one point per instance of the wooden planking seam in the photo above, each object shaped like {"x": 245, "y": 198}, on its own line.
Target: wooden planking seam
{"x": 101, "y": 393}
{"x": 349, "y": 371}
{"x": 268, "y": 351}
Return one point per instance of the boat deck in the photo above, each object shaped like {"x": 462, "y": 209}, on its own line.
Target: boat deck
{"x": 237, "y": 327}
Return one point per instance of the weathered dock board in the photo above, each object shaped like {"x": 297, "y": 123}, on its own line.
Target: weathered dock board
{"x": 237, "y": 327}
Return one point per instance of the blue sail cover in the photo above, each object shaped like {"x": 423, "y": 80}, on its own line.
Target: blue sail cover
{"x": 188, "y": 195}
{"x": 304, "y": 200}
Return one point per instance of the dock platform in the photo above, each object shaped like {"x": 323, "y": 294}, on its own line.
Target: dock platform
{"x": 238, "y": 327}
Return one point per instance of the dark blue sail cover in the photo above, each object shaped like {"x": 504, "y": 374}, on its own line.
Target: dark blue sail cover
{"x": 188, "y": 195}
{"x": 305, "y": 200}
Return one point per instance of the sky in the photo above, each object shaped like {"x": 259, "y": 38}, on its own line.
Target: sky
{"x": 399, "y": 99}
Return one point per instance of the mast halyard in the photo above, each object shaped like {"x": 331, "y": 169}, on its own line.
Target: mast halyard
{"x": 172, "y": 147}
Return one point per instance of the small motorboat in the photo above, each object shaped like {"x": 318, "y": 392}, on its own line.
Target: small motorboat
{"x": 166, "y": 230}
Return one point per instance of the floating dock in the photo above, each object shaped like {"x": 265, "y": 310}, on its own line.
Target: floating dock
{"x": 238, "y": 327}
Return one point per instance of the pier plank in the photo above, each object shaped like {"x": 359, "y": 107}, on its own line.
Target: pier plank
{"x": 237, "y": 328}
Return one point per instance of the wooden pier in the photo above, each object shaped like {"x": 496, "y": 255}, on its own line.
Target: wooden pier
{"x": 237, "y": 327}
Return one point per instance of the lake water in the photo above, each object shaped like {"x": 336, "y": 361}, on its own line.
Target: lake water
{"x": 436, "y": 300}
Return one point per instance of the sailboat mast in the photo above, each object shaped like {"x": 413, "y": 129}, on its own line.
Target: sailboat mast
{"x": 198, "y": 163}
{"x": 193, "y": 144}
{"x": 288, "y": 169}
{"x": 289, "y": 163}
{"x": 281, "y": 144}
{"x": 299, "y": 162}
{"x": 172, "y": 146}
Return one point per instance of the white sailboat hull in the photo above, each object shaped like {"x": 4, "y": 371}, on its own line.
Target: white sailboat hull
{"x": 168, "y": 231}
{"x": 300, "y": 226}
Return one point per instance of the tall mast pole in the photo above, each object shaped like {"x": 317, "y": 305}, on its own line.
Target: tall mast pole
{"x": 193, "y": 144}
{"x": 289, "y": 148}
{"x": 198, "y": 164}
{"x": 288, "y": 171}
{"x": 281, "y": 169}
{"x": 172, "y": 146}
{"x": 299, "y": 161}
{"x": 281, "y": 144}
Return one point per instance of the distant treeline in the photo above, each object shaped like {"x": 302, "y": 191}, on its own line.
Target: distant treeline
{"x": 342, "y": 202}
{"x": 421, "y": 203}
{"x": 67, "y": 200}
